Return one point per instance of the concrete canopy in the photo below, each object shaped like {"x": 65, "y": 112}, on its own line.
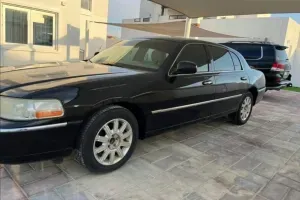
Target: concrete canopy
{"x": 212, "y": 8}
{"x": 170, "y": 28}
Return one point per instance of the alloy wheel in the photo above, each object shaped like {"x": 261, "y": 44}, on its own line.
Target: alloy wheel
{"x": 113, "y": 142}
{"x": 246, "y": 108}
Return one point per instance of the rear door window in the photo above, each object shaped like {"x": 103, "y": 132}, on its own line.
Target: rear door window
{"x": 236, "y": 62}
{"x": 281, "y": 54}
{"x": 222, "y": 59}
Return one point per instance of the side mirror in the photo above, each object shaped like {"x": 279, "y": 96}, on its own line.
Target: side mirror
{"x": 186, "y": 67}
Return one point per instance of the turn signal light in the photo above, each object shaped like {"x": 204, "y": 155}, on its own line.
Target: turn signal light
{"x": 49, "y": 114}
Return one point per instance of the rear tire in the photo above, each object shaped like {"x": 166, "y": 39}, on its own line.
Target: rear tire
{"x": 244, "y": 112}
{"x": 108, "y": 139}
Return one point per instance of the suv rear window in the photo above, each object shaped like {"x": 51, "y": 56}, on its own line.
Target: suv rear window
{"x": 281, "y": 54}
{"x": 249, "y": 51}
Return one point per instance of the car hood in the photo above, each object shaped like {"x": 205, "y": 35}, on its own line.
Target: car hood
{"x": 12, "y": 77}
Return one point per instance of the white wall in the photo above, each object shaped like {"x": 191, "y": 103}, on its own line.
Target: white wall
{"x": 296, "y": 68}
{"x": 272, "y": 28}
{"x": 69, "y": 32}
{"x": 150, "y": 9}
{"x": 93, "y": 35}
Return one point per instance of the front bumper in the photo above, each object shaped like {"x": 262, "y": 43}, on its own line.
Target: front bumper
{"x": 20, "y": 142}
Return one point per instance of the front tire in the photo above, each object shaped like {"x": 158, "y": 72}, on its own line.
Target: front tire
{"x": 244, "y": 112}
{"x": 108, "y": 139}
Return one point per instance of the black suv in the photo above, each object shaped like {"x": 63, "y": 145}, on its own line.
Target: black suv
{"x": 269, "y": 58}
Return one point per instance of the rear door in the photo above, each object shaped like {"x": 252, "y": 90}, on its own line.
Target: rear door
{"x": 231, "y": 80}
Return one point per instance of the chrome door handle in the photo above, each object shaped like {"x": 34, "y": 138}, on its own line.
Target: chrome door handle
{"x": 244, "y": 78}
{"x": 207, "y": 82}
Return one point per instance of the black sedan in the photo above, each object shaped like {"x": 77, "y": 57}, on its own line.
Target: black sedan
{"x": 129, "y": 91}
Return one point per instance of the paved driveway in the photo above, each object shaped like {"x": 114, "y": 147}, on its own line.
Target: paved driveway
{"x": 215, "y": 160}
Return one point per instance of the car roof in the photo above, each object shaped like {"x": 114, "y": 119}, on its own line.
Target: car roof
{"x": 178, "y": 39}
{"x": 255, "y": 43}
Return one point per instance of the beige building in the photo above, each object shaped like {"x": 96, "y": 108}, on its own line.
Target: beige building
{"x": 37, "y": 31}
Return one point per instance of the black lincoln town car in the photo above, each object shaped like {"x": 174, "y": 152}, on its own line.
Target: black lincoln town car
{"x": 135, "y": 88}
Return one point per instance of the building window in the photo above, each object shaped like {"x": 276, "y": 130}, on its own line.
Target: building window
{"x": 43, "y": 30}
{"x": 28, "y": 26}
{"x": 86, "y": 4}
{"x": 16, "y": 26}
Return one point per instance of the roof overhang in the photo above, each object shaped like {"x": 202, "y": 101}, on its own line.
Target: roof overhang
{"x": 175, "y": 28}
{"x": 212, "y": 8}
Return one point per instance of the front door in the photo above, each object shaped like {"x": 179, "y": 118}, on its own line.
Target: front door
{"x": 185, "y": 98}
{"x": 231, "y": 81}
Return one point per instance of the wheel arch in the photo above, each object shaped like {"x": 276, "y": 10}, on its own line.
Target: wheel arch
{"x": 133, "y": 108}
{"x": 253, "y": 90}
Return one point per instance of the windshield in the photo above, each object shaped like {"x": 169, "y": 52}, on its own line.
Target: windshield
{"x": 149, "y": 54}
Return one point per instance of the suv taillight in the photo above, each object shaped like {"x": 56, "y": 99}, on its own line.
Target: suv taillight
{"x": 277, "y": 67}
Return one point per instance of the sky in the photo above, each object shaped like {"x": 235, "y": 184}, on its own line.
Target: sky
{"x": 127, "y": 9}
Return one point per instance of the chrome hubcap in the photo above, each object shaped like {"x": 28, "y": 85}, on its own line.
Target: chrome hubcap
{"x": 113, "y": 141}
{"x": 246, "y": 108}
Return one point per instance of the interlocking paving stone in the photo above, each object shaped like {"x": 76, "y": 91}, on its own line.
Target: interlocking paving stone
{"x": 36, "y": 175}
{"x": 17, "y": 169}
{"x": 244, "y": 149}
{"x": 292, "y": 195}
{"x": 177, "y": 191}
{"x": 46, "y": 184}
{"x": 260, "y": 180}
{"x": 189, "y": 178}
{"x": 74, "y": 169}
{"x": 80, "y": 196}
{"x": 132, "y": 194}
{"x": 265, "y": 170}
{"x": 268, "y": 158}
{"x": 211, "y": 170}
{"x": 291, "y": 171}
{"x": 159, "y": 142}
{"x": 194, "y": 196}
{"x": 70, "y": 188}
{"x": 38, "y": 165}
{"x": 258, "y": 197}
{"x": 247, "y": 163}
{"x": 142, "y": 148}
{"x": 204, "y": 146}
{"x": 212, "y": 189}
{"x": 295, "y": 159}
{"x": 9, "y": 190}
{"x": 3, "y": 173}
{"x": 46, "y": 196}
{"x": 224, "y": 157}
{"x": 274, "y": 191}
{"x": 287, "y": 182}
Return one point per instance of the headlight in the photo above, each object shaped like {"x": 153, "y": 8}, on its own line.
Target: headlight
{"x": 29, "y": 109}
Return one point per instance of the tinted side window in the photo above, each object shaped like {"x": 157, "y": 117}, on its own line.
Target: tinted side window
{"x": 195, "y": 53}
{"x": 236, "y": 61}
{"x": 222, "y": 59}
{"x": 269, "y": 52}
{"x": 249, "y": 51}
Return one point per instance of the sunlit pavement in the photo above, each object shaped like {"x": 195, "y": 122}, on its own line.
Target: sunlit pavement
{"x": 214, "y": 160}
